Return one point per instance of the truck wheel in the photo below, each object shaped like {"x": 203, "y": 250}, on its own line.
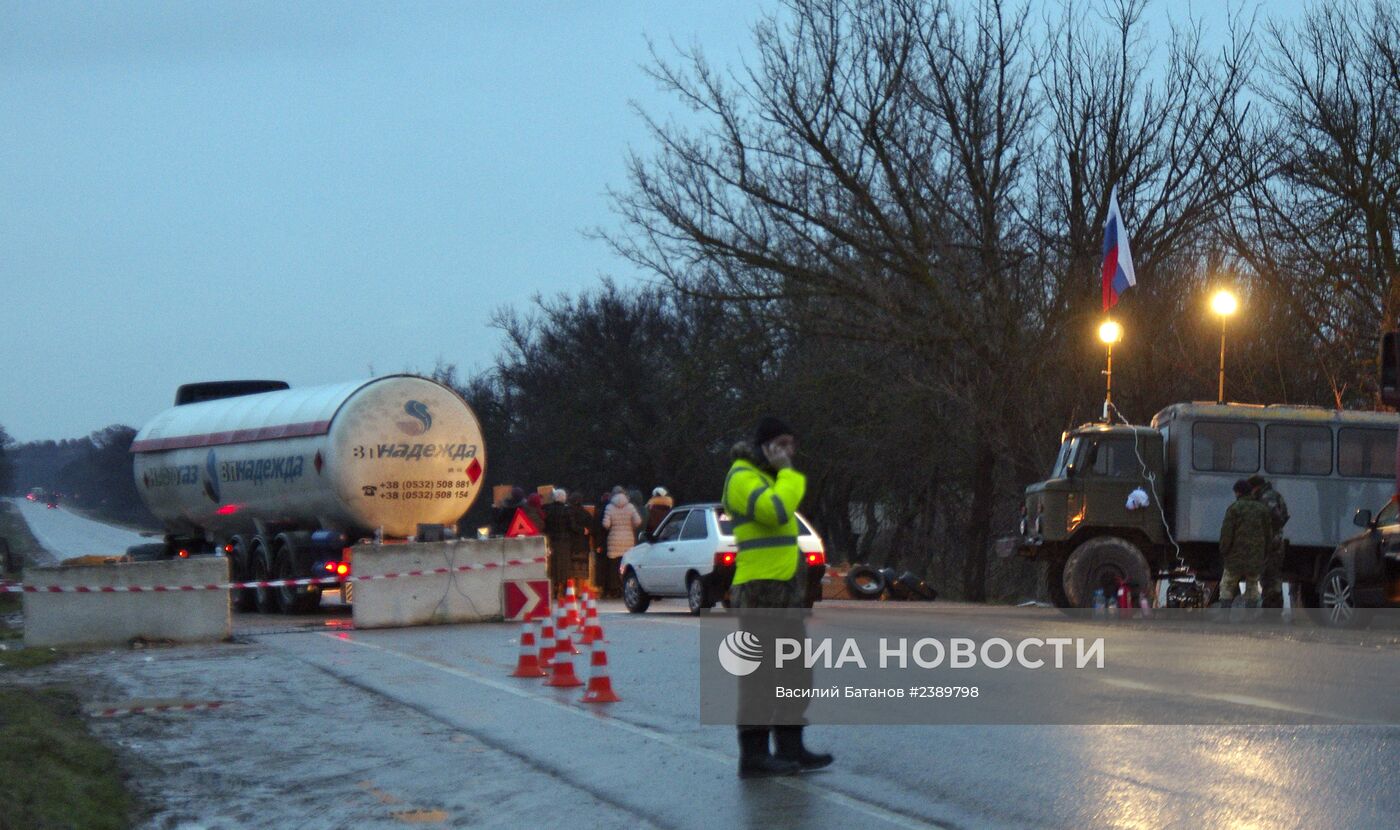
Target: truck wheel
{"x": 291, "y": 598}
{"x": 260, "y": 568}
{"x": 636, "y": 599}
{"x": 242, "y": 599}
{"x": 1055, "y": 582}
{"x": 1100, "y": 563}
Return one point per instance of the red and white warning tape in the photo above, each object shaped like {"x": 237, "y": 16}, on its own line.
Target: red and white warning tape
{"x": 15, "y": 587}
{"x": 161, "y": 707}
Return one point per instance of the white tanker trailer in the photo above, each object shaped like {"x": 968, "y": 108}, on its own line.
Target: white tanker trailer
{"x": 283, "y": 481}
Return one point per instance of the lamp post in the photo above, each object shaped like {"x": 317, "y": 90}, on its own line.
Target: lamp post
{"x": 1224, "y": 304}
{"x": 1109, "y": 333}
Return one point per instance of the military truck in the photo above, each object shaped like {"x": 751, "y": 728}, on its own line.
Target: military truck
{"x": 1326, "y": 463}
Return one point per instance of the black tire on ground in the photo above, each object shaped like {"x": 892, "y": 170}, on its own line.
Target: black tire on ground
{"x": 892, "y": 584}
{"x": 1336, "y": 601}
{"x": 291, "y": 598}
{"x": 917, "y": 588}
{"x": 1100, "y": 563}
{"x": 636, "y": 600}
{"x": 259, "y": 569}
{"x": 241, "y": 599}
{"x": 695, "y": 595}
{"x": 864, "y": 582}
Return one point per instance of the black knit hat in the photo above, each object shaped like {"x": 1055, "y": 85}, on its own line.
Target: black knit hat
{"x": 768, "y": 429}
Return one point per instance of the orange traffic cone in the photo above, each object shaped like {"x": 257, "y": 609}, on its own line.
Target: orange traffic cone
{"x": 600, "y": 688}
{"x": 571, "y": 601}
{"x": 528, "y": 664}
{"x": 592, "y": 630}
{"x": 563, "y": 662}
{"x": 546, "y": 644}
{"x": 562, "y": 637}
{"x": 583, "y": 596}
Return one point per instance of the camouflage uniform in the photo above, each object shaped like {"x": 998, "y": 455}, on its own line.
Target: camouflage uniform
{"x": 1244, "y": 546}
{"x": 1271, "y": 580}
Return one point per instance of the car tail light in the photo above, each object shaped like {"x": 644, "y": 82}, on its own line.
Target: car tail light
{"x": 330, "y": 566}
{"x": 816, "y": 557}
{"x": 342, "y": 569}
{"x": 228, "y": 548}
{"x": 724, "y": 558}
{"x": 183, "y": 554}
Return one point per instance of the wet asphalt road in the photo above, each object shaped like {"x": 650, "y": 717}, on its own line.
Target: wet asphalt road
{"x": 66, "y": 534}
{"x": 649, "y": 758}
{"x": 327, "y": 726}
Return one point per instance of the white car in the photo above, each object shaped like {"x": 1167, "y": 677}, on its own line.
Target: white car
{"x": 692, "y": 555}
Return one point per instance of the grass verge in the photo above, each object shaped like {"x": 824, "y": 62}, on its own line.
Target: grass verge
{"x": 54, "y": 772}
{"x": 15, "y": 531}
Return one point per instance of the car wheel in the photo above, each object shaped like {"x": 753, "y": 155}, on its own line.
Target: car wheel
{"x": 1337, "y": 601}
{"x": 864, "y": 582}
{"x": 636, "y": 600}
{"x": 695, "y": 595}
{"x": 1055, "y": 582}
{"x": 1100, "y": 563}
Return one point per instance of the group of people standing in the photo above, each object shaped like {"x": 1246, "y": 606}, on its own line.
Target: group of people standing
{"x": 580, "y": 534}
{"x": 1252, "y": 544}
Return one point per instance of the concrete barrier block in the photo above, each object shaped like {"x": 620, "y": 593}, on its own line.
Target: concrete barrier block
{"x": 72, "y": 619}
{"x": 464, "y": 596}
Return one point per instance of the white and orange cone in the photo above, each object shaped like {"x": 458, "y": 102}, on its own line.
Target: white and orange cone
{"x": 583, "y": 598}
{"x": 600, "y": 688}
{"x": 528, "y": 664}
{"x": 563, "y": 638}
{"x": 571, "y": 602}
{"x": 592, "y": 630}
{"x": 546, "y": 644}
{"x": 563, "y": 662}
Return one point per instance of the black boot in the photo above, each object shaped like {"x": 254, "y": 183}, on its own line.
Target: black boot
{"x": 754, "y": 760}
{"x": 790, "y": 748}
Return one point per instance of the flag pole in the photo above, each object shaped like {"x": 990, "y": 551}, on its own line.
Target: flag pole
{"x": 1109, "y": 333}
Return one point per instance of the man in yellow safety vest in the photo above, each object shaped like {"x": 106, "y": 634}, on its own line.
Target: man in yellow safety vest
{"x": 761, "y": 496}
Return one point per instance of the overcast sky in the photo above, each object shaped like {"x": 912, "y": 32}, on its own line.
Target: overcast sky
{"x": 302, "y": 190}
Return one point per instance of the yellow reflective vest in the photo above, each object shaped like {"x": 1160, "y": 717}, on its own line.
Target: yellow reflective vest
{"x": 764, "y": 512}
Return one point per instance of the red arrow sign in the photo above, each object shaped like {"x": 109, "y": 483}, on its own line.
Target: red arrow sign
{"x": 526, "y": 599}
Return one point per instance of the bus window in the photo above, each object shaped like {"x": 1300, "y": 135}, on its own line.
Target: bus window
{"x": 1366, "y": 453}
{"x": 1224, "y": 447}
{"x": 1298, "y": 450}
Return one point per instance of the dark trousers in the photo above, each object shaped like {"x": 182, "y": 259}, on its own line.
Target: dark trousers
{"x": 770, "y": 610}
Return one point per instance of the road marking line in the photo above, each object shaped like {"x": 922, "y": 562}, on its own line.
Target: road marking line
{"x": 874, "y": 811}
{"x": 1242, "y": 700}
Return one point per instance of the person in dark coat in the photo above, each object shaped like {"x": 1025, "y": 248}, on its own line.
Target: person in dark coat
{"x": 556, "y": 533}
{"x": 658, "y": 506}
{"x": 534, "y": 511}
{"x": 500, "y": 522}
{"x": 580, "y": 532}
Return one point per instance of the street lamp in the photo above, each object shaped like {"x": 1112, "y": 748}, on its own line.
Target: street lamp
{"x": 1109, "y": 333}
{"x": 1224, "y": 304}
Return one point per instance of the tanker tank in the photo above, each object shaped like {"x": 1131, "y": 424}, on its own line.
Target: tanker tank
{"x": 278, "y": 479}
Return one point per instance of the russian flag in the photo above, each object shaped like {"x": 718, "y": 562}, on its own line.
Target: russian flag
{"x": 1118, "y": 275}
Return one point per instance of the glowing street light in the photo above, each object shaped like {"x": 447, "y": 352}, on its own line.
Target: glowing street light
{"x": 1109, "y": 333}
{"x": 1224, "y": 304}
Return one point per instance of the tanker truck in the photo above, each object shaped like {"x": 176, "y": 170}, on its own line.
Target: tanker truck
{"x": 283, "y": 482}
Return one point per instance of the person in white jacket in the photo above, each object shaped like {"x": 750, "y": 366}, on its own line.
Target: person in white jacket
{"x": 621, "y": 520}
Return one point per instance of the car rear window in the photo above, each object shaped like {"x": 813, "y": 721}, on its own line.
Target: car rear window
{"x": 726, "y": 527}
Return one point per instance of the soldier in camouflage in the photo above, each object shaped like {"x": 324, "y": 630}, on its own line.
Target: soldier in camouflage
{"x": 1271, "y": 580}
{"x": 1244, "y": 544}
